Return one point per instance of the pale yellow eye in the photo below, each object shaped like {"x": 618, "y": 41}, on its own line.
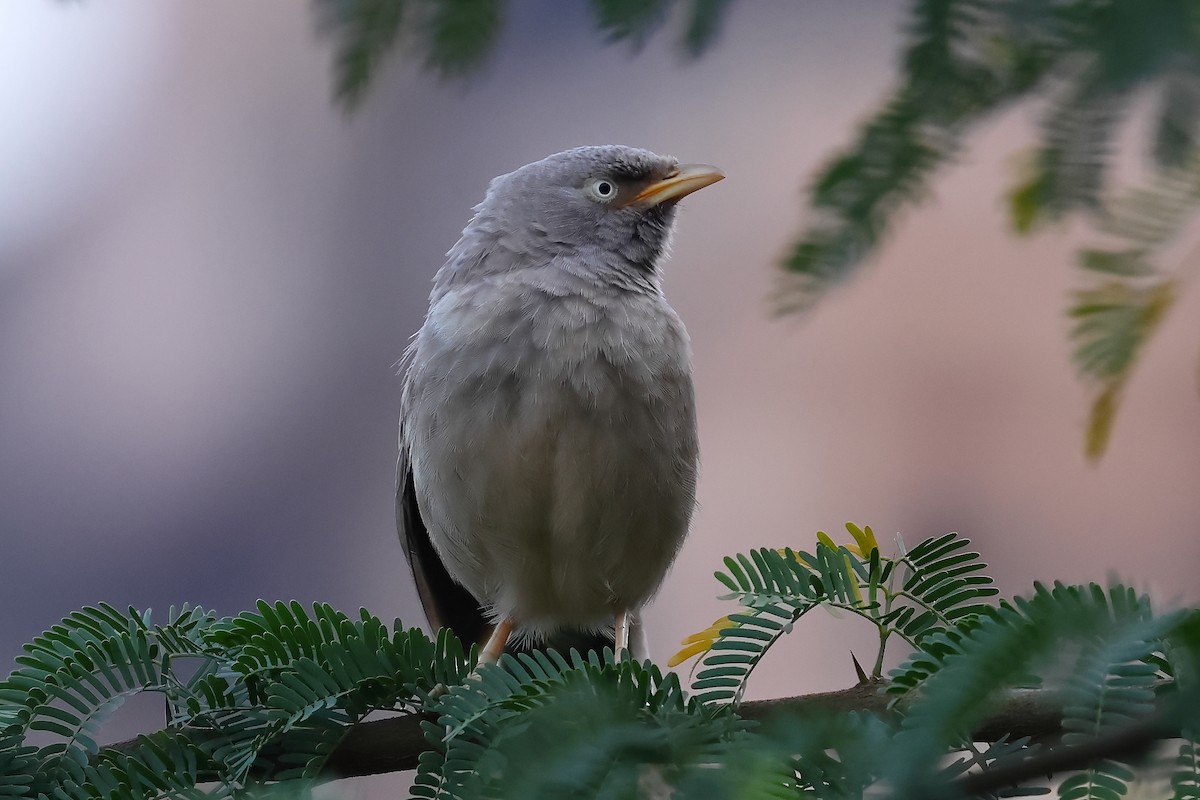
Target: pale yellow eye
{"x": 602, "y": 189}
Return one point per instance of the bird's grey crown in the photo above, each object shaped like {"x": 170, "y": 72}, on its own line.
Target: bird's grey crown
{"x": 580, "y": 163}
{"x": 540, "y": 215}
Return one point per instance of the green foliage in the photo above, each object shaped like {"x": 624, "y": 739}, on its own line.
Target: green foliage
{"x": 968, "y": 59}
{"x": 454, "y": 38}
{"x": 1101, "y": 652}
{"x": 630, "y": 20}
{"x": 635, "y": 21}
{"x": 543, "y": 725}
{"x": 265, "y": 695}
{"x": 1126, "y": 296}
{"x": 703, "y": 25}
{"x": 1113, "y": 321}
{"x": 964, "y": 59}
{"x": 912, "y": 596}
{"x": 364, "y": 32}
{"x": 1185, "y": 779}
{"x": 460, "y": 34}
{"x": 1094, "y": 647}
{"x": 257, "y": 703}
{"x": 1088, "y": 65}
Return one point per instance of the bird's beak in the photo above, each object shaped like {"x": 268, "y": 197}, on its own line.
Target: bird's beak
{"x": 680, "y": 183}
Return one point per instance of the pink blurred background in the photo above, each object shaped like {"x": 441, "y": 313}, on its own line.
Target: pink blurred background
{"x": 208, "y": 271}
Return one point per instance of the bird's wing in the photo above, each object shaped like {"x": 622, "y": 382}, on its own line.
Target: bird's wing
{"x": 447, "y": 604}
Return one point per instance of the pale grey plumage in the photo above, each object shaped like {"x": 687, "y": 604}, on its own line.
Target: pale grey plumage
{"x": 548, "y": 417}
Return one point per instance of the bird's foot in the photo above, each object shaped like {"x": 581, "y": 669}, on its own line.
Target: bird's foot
{"x": 621, "y": 634}
{"x": 494, "y": 647}
{"x": 629, "y": 637}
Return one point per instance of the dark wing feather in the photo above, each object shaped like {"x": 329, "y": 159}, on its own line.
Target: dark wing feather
{"x": 447, "y": 603}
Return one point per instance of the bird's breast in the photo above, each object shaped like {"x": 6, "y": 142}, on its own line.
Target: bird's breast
{"x": 554, "y": 450}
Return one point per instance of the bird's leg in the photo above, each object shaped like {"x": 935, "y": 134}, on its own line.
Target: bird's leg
{"x": 494, "y": 648}
{"x": 638, "y": 649}
{"x": 621, "y": 634}
{"x": 629, "y": 636}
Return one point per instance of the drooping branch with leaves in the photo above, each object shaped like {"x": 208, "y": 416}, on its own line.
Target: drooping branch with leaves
{"x": 1088, "y": 66}
{"x": 1094, "y": 70}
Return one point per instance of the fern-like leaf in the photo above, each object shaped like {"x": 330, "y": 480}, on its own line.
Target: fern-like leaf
{"x": 1185, "y": 775}
{"x": 364, "y": 31}
{"x": 633, "y": 21}
{"x": 703, "y": 25}
{"x": 1113, "y": 323}
{"x": 508, "y": 728}
{"x": 941, "y": 583}
{"x": 999, "y": 648}
{"x": 1178, "y": 123}
{"x": 459, "y": 35}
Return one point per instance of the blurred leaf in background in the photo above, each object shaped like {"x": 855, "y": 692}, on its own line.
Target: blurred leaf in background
{"x": 1093, "y": 69}
{"x": 455, "y": 37}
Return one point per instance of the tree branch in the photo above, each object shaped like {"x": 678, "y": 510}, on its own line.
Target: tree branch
{"x": 1126, "y": 744}
{"x": 394, "y": 744}
{"x": 1022, "y": 712}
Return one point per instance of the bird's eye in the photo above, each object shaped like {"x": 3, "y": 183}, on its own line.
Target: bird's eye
{"x": 602, "y": 189}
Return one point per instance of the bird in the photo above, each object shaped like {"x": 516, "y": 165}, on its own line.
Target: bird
{"x": 548, "y": 441}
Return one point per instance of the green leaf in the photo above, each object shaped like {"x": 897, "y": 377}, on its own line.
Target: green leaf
{"x": 703, "y": 25}
{"x": 1122, "y": 263}
{"x": 1113, "y": 323}
{"x": 364, "y": 31}
{"x": 1174, "y": 142}
{"x": 633, "y": 21}
{"x": 460, "y": 34}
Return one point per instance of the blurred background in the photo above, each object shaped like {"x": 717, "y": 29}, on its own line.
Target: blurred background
{"x": 208, "y": 271}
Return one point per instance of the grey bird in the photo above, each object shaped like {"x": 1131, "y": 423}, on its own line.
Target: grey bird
{"x": 548, "y": 449}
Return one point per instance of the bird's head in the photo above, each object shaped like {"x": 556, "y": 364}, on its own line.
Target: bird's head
{"x": 608, "y": 205}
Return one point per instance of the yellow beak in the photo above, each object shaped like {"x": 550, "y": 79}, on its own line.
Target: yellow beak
{"x": 682, "y": 182}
